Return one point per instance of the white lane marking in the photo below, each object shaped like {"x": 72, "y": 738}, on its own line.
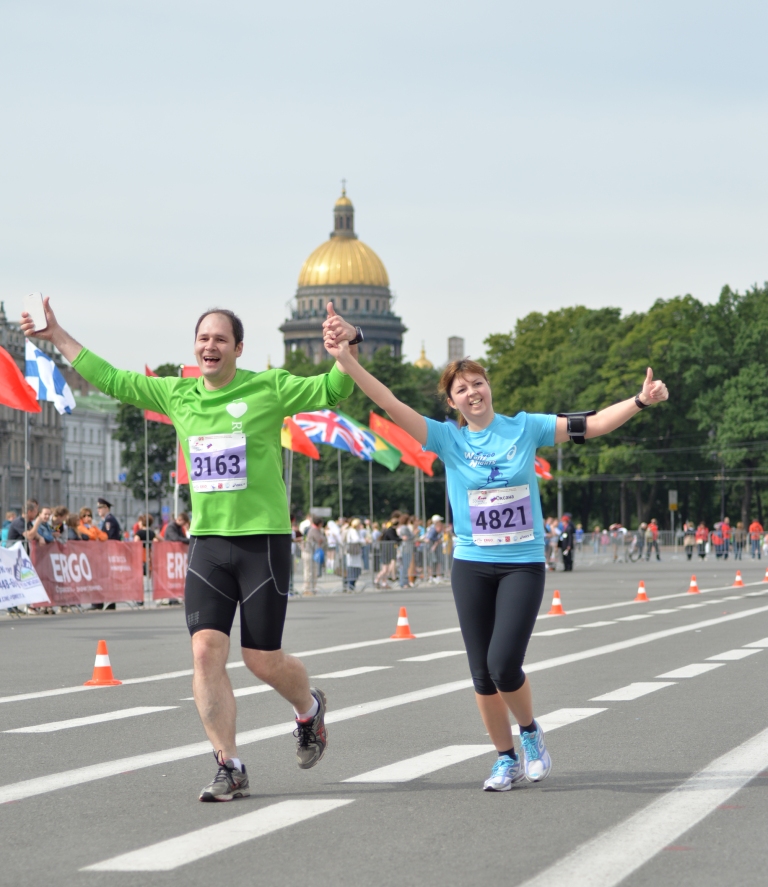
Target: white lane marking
{"x": 733, "y": 597}
{"x": 428, "y": 657}
{"x": 351, "y": 672}
{"x": 694, "y": 606}
{"x": 552, "y": 632}
{"x": 421, "y": 765}
{"x": 760, "y": 643}
{"x": 171, "y": 854}
{"x": 691, "y": 671}
{"x": 67, "y": 778}
{"x": 52, "y": 726}
{"x": 662, "y": 612}
{"x": 634, "y": 617}
{"x": 632, "y": 691}
{"x": 731, "y": 655}
{"x": 241, "y": 691}
{"x": 596, "y": 624}
{"x": 612, "y": 856}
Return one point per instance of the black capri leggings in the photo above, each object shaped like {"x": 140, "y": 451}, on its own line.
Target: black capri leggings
{"x": 497, "y": 605}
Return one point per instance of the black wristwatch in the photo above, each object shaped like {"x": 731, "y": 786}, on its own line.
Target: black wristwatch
{"x": 359, "y": 337}
{"x": 640, "y": 404}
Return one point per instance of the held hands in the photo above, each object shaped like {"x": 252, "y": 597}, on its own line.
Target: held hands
{"x": 653, "y": 392}
{"x": 28, "y": 325}
{"x": 336, "y": 329}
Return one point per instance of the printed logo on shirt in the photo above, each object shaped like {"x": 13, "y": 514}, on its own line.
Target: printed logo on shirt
{"x": 237, "y": 409}
{"x": 511, "y": 453}
{"x": 479, "y": 458}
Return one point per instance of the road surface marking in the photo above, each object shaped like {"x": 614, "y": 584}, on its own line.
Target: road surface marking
{"x": 596, "y": 624}
{"x": 694, "y": 606}
{"x": 612, "y": 856}
{"x": 761, "y": 643}
{"x": 421, "y": 765}
{"x": 52, "y": 726}
{"x": 731, "y": 655}
{"x": 428, "y": 657}
{"x": 351, "y": 672}
{"x": 691, "y": 671}
{"x": 67, "y": 778}
{"x": 171, "y": 854}
{"x": 662, "y": 612}
{"x": 552, "y": 632}
{"x": 632, "y": 691}
{"x": 634, "y": 617}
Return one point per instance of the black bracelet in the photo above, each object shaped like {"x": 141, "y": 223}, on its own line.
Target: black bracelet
{"x": 359, "y": 337}
{"x": 640, "y": 404}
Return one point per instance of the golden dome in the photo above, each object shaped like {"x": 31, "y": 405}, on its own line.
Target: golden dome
{"x": 423, "y": 363}
{"x": 343, "y": 200}
{"x": 343, "y": 261}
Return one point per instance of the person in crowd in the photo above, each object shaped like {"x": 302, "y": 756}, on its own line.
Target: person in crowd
{"x": 353, "y": 544}
{"x": 333, "y": 540}
{"x": 87, "y": 527}
{"x": 20, "y": 526}
{"x": 642, "y": 530}
{"x": 10, "y": 517}
{"x": 755, "y": 538}
{"x": 312, "y": 554}
{"x": 726, "y": 532}
{"x": 41, "y": 530}
{"x": 108, "y": 522}
{"x": 433, "y": 541}
{"x": 596, "y": 539}
{"x": 146, "y": 535}
{"x": 738, "y": 538}
{"x": 702, "y": 537}
{"x": 72, "y": 529}
{"x": 366, "y": 538}
{"x": 178, "y": 529}
{"x": 566, "y": 541}
{"x": 389, "y": 554}
{"x": 652, "y": 540}
{"x": 498, "y": 569}
{"x": 405, "y": 550}
{"x": 716, "y": 540}
{"x": 689, "y": 538}
{"x": 578, "y": 537}
{"x": 618, "y": 535}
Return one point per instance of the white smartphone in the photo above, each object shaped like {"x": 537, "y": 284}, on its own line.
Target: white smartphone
{"x": 33, "y": 305}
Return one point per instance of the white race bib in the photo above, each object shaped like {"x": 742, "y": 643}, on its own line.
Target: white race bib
{"x": 217, "y": 462}
{"x": 501, "y": 516}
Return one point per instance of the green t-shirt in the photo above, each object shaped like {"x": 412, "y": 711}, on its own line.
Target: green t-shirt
{"x": 236, "y": 478}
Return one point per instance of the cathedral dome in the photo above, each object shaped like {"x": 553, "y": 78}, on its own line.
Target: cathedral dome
{"x": 343, "y": 260}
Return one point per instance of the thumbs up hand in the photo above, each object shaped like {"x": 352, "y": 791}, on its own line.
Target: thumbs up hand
{"x": 653, "y": 391}
{"x": 335, "y": 328}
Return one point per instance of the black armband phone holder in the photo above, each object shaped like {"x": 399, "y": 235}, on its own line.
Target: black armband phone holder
{"x": 577, "y": 425}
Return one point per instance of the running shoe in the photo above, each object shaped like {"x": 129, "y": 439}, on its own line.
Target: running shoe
{"x": 537, "y": 760}
{"x": 229, "y": 783}
{"x": 311, "y": 735}
{"x": 505, "y": 773}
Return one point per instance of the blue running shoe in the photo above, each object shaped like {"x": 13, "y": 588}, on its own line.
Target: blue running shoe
{"x": 506, "y": 772}
{"x": 537, "y": 760}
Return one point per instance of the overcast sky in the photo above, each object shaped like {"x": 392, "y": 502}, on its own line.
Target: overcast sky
{"x": 162, "y": 157}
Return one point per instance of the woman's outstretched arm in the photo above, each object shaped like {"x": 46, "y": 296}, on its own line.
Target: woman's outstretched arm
{"x": 401, "y": 414}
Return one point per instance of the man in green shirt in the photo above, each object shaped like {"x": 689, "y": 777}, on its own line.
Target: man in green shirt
{"x": 229, "y": 422}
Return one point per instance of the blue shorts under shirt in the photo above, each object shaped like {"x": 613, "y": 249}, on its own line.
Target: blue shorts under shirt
{"x": 499, "y": 456}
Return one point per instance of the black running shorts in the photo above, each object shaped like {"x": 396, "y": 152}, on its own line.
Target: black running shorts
{"x": 254, "y": 571}
{"x": 497, "y": 604}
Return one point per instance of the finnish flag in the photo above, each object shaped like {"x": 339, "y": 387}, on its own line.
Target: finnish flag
{"x": 47, "y": 381}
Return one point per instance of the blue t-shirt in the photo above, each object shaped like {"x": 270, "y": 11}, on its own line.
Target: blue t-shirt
{"x": 477, "y": 463}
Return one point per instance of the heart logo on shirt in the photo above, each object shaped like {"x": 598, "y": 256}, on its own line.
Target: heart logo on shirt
{"x": 237, "y": 409}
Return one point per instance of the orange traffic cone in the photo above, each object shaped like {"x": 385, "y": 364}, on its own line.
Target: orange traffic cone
{"x": 765, "y": 579}
{"x": 403, "y": 630}
{"x": 641, "y": 595}
{"x": 693, "y": 588}
{"x": 102, "y": 670}
{"x": 557, "y": 608}
{"x": 738, "y": 582}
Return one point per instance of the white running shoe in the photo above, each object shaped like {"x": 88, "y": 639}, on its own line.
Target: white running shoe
{"x": 505, "y": 773}
{"x": 537, "y": 760}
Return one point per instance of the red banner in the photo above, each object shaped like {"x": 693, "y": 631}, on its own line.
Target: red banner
{"x": 169, "y": 570}
{"x": 90, "y": 572}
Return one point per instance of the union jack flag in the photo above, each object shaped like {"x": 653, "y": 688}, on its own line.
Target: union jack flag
{"x": 325, "y": 426}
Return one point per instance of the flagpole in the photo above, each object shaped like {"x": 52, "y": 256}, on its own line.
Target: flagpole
{"x": 311, "y": 484}
{"x": 147, "y": 550}
{"x": 290, "y": 478}
{"x": 415, "y": 492}
{"x": 176, "y": 479}
{"x": 26, "y": 476}
{"x": 341, "y": 488}
{"x": 423, "y": 499}
{"x": 370, "y": 491}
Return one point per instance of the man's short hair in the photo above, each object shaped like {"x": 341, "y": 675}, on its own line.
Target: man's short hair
{"x": 32, "y": 503}
{"x": 182, "y": 518}
{"x": 237, "y": 324}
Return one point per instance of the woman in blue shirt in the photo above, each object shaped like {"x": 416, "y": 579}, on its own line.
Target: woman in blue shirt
{"x": 499, "y": 562}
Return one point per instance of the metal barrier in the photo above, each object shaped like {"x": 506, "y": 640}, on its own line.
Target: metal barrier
{"x": 356, "y": 567}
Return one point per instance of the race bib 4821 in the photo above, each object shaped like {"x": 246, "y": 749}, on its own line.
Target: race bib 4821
{"x": 217, "y": 462}
{"x": 501, "y": 516}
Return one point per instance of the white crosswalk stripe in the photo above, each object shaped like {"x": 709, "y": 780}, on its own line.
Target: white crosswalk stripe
{"x": 168, "y": 855}
{"x": 428, "y": 657}
{"x": 691, "y": 671}
{"x": 351, "y": 672}
{"x": 93, "y": 719}
{"x": 732, "y": 655}
{"x": 632, "y": 691}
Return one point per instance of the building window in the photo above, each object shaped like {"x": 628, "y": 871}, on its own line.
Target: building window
{"x": 377, "y": 306}
{"x": 367, "y": 304}
{"x": 357, "y": 304}
{"x": 343, "y": 304}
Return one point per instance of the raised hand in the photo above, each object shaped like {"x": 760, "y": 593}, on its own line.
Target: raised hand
{"x": 338, "y": 350}
{"x": 653, "y": 391}
{"x": 28, "y": 325}
{"x": 336, "y": 327}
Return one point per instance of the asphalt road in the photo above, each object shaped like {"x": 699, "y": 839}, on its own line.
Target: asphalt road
{"x": 663, "y": 782}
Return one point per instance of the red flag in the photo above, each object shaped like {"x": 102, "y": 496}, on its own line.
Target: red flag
{"x": 181, "y": 466}
{"x": 293, "y": 438}
{"x": 15, "y": 391}
{"x": 410, "y": 448}
{"x": 542, "y": 468}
